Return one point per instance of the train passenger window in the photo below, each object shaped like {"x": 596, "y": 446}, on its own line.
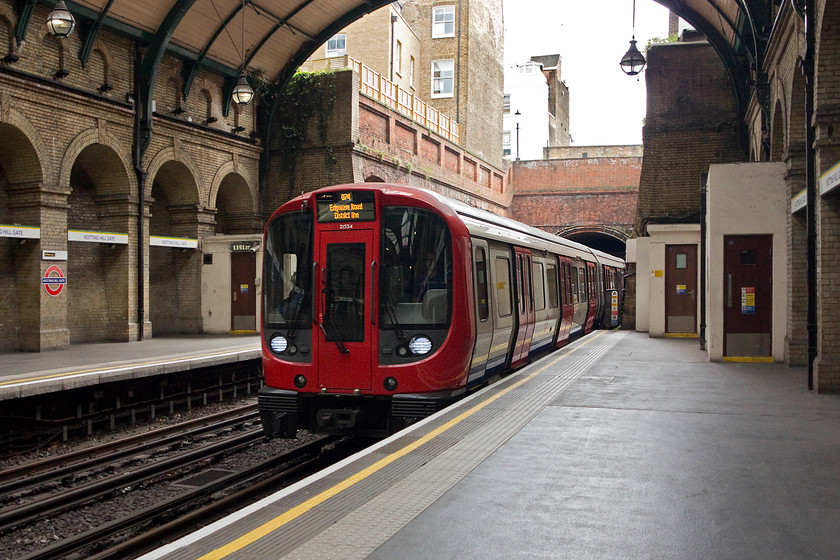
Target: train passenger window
{"x": 415, "y": 274}
{"x": 582, "y": 285}
{"x": 551, "y": 280}
{"x": 288, "y": 258}
{"x": 574, "y": 276}
{"x": 539, "y": 287}
{"x": 481, "y": 284}
{"x": 520, "y": 276}
{"x": 503, "y": 286}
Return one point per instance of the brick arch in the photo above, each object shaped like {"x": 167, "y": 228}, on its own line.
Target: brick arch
{"x": 28, "y": 154}
{"x": 8, "y": 21}
{"x": 168, "y": 155}
{"x": 796, "y": 110}
{"x": 231, "y": 168}
{"x": 101, "y": 50}
{"x": 827, "y": 84}
{"x": 93, "y": 137}
{"x": 610, "y": 231}
{"x": 778, "y": 133}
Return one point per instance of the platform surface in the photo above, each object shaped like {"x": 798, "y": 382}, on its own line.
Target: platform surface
{"x": 24, "y": 374}
{"x": 619, "y": 446}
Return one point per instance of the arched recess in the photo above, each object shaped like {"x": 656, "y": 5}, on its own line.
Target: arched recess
{"x": 20, "y": 184}
{"x": 175, "y": 299}
{"x": 374, "y": 179}
{"x": 236, "y": 211}
{"x": 607, "y": 239}
{"x": 777, "y": 133}
{"x": 101, "y": 218}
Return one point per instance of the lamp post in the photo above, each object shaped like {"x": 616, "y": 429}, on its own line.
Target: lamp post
{"x": 517, "y": 114}
{"x": 633, "y": 61}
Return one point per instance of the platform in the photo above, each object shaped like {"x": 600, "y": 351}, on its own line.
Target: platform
{"x": 23, "y": 374}
{"x": 619, "y": 446}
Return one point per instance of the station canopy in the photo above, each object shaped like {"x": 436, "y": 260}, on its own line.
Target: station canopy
{"x": 281, "y": 34}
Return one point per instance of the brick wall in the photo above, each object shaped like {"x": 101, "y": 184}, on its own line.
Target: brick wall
{"x": 691, "y": 122}
{"x": 594, "y": 193}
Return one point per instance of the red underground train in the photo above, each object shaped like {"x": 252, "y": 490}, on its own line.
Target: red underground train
{"x": 384, "y": 303}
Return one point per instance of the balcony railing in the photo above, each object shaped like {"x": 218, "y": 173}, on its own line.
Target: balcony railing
{"x": 377, "y": 87}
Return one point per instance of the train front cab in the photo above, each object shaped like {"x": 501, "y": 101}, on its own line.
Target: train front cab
{"x": 359, "y": 291}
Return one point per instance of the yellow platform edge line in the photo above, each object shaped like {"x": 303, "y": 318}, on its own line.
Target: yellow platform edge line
{"x": 749, "y": 359}
{"x": 680, "y": 335}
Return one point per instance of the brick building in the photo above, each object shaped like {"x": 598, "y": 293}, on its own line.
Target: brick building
{"x": 461, "y": 67}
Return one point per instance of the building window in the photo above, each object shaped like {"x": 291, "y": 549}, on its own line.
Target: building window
{"x": 443, "y": 21}
{"x": 398, "y": 56}
{"x": 506, "y": 104}
{"x": 443, "y": 77}
{"x": 337, "y": 45}
{"x": 506, "y": 143}
{"x": 411, "y": 72}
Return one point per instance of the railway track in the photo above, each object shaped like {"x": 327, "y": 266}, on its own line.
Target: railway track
{"x": 185, "y": 512}
{"x": 45, "y": 498}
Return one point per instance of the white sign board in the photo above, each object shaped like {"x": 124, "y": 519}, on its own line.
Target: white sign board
{"x": 830, "y": 180}
{"x": 174, "y": 242}
{"x": 798, "y": 202}
{"x": 20, "y": 232}
{"x": 97, "y": 237}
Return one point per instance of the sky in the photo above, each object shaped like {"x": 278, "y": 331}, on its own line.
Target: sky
{"x": 607, "y": 106}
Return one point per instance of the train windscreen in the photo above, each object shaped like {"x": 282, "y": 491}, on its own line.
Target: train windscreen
{"x": 288, "y": 272}
{"x": 415, "y": 279}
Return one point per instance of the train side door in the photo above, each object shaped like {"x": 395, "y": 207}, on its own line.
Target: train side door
{"x": 567, "y": 301}
{"x": 747, "y": 296}
{"x": 524, "y": 306}
{"x": 484, "y": 325}
{"x": 591, "y": 296}
{"x": 344, "y": 352}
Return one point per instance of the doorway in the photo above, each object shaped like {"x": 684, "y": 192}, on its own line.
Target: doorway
{"x": 681, "y": 289}
{"x": 748, "y": 295}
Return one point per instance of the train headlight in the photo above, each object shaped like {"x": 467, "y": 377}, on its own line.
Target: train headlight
{"x": 300, "y": 381}
{"x": 419, "y": 345}
{"x": 390, "y": 384}
{"x": 279, "y": 344}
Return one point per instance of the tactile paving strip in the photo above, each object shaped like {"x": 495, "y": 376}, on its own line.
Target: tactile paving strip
{"x": 360, "y": 532}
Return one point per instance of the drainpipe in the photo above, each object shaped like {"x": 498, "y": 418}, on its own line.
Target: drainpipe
{"x": 141, "y": 194}
{"x": 458, "y": 71}
{"x": 811, "y": 185}
{"x": 703, "y": 191}
{"x": 393, "y": 21}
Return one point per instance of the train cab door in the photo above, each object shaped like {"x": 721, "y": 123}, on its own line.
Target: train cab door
{"x": 344, "y": 329}
{"x": 524, "y": 307}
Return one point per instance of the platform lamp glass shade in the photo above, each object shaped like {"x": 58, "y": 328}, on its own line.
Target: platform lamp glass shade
{"x": 633, "y": 61}
{"x": 242, "y": 91}
{"x": 61, "y": 22}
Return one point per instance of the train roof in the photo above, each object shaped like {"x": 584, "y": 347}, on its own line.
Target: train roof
{"x": 489, "y": 225}
{"x": 502, "y": 228}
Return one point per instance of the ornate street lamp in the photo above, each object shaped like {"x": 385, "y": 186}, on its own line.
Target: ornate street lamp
{"x": 60, "y": 22}
{"x": 633, "y": 61}
{"x": 242, "y": 91}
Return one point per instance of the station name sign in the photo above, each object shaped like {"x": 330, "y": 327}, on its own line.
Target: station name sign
{"x": 353, "y": 206}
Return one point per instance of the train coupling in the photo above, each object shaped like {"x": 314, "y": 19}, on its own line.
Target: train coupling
{"x": 337, "y": 418}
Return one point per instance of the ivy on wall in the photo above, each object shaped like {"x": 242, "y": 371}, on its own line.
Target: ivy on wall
{"x": 308, "y": 95}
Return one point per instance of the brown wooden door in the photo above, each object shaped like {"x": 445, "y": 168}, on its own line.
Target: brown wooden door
{"x": 681, "y": 289}
{"x": 243, "y": 304}
{"x": 747, "y": 295}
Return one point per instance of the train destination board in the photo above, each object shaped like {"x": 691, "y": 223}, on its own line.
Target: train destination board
{"x": 346, "y": 207}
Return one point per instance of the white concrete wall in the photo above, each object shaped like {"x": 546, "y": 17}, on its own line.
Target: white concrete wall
{"x": 746, "y": 199}
{"x": 660, "y": 236}
{"x": 215, "y": 282}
